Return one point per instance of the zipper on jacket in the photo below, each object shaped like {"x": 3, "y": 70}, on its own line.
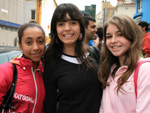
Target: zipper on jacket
{"x": 33, "y": 73}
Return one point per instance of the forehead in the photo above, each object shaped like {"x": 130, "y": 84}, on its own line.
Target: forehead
{"x": 112, "y": 28}
{"x": 32, "y": 32}
{"x": 64, "y": 17}
{"x": 32, "y": 29}
{"x": 67, "y": 15}
{"x": 92, "y": 23}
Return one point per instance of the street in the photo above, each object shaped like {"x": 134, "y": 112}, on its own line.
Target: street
{"x": 7, "y": 48}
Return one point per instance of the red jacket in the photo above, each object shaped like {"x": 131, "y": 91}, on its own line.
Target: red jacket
{"x": 30, "y": 91}
{"x": 146, "y": 44}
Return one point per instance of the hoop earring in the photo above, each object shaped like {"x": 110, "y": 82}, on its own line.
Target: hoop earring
{"x": 80, "y": 36}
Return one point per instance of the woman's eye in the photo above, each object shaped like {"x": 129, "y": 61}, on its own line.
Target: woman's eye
{"x": 28, "y": 42}
{"x": 119, "y": 34}
{"x": 107, "y": 37}
{"x": 41, "y": 42}
{"x": 59, "y": 24}
{"x": 73, "y": 22}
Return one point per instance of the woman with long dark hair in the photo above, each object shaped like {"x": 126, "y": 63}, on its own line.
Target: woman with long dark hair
{"x": 70, "y": 74}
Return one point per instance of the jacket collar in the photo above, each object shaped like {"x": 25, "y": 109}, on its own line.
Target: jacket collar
{"x": 23, "y": 62}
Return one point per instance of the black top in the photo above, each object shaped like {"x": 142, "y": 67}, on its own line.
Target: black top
{"x": 79, "y": 89}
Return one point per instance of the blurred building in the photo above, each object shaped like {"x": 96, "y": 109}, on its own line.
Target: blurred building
{"x": 30, "y": 10}
{"x": 126, "y": 7}
{"x": 11, "y": 17}
{"x": 90, "y": 10}
{"x": 142, "y": 11}
{"x": 99, "y": 19}
{"x": 14, "y": 13}
{"x": 107, "y": 10}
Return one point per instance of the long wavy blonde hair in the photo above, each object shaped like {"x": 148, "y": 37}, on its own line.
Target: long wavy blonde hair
{"x": 130, "y": 30}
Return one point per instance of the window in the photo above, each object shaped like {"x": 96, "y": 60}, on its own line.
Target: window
{"x": 15, "y": 29}
{"x": 140, "y": 6}
{"x": 11, "y": 28}
{"x": 6, "y": 28}
{"x": 2, "y": 27}
{"x": 32, "y": 14}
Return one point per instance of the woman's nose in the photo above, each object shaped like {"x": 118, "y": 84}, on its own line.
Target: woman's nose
{"x": 67, "y": 26}
{"x": 35, "y": 46}
{"x": 113, "y": 39}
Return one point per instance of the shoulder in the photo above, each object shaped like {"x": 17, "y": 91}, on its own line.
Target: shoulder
{"x": 94, "y": 50}
{"x": 95, "y": 53}
{"x": 5, "y": 66}
{"x": 145, "y": 66}
{"x": 148, "y": 33}
{"x": 145, "y": 60}
{"x": 144, "y": 69}
{"x": 6, "y": 73}
{"x": 147, "y": 36}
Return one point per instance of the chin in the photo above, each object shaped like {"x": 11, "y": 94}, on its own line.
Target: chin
{"x": 36, "y": 61}
{"x": 116, "y": 55}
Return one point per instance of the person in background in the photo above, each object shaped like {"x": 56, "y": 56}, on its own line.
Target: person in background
{"x": 98, "y": 42}
{"x": 90, "y": 36}
{"x": 120, "y": 55}
{"x": 90, "y": 29}
{"x": 70, "y": 74}
{"x": 29, "y": 93}
{"x": 146, "y": 39}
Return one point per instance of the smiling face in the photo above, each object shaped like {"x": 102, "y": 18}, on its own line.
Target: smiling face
{"x": 68, "y": 31}
{"x": 91, "y": 30}
{"x": 116, "y": 42}
{"x": 33, "y": 44}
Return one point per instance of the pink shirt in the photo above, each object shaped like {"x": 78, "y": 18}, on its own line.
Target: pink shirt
{"x": 125, "y": 101}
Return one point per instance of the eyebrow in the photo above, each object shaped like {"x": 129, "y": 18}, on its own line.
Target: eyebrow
{"x": 28, "y": 38}
{"x": 93, "y": 25}
{"x": 115, "y": 32}
{"x": 40, "y": 37}
{"x": 32, "y": 38}
{"x": 66, "y": 21}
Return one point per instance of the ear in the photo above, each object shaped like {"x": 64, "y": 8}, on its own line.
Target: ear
{"x": 144, "y": 28}
{"x": 20, "y": 47}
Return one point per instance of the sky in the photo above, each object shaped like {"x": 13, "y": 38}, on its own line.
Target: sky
{"x": 82, "y": 3}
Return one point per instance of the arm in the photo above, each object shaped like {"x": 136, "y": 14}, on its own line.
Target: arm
{"x": 51, "y": 91}
{"x": 6, "y": 76}
{"x": 143, "y": 89}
